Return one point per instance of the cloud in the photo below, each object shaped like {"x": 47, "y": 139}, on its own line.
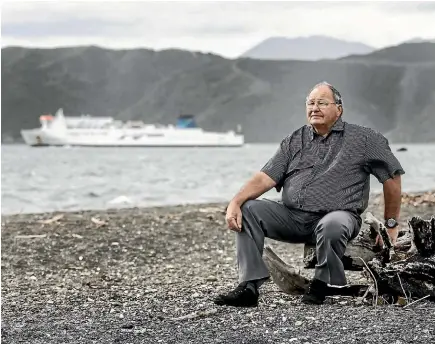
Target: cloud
{"x": 225, "y": 28}
{"x": 62, "y": 28}
{"x": 408, "y": 6}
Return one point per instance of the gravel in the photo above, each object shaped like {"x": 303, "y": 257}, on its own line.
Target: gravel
{"x": 148, "y": 276}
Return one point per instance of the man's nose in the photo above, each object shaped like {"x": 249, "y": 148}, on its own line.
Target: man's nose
{"x": 315, "y": 107}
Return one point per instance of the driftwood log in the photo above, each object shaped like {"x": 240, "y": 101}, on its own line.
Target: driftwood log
{"x": 405, "y": 270}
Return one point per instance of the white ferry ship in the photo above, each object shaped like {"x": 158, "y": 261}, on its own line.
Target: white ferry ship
{"x": 85, "y": 130}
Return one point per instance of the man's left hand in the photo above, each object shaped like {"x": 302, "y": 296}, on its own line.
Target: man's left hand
{"x": 393, "y": 233}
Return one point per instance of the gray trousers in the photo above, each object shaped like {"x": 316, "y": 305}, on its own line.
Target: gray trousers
{"x": 266, "y": 218}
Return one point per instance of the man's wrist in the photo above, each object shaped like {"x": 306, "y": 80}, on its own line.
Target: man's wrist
{"x": 237, "y": 201}
{"x": 391, "y": 222}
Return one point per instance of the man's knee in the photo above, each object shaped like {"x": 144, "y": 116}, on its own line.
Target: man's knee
{"x": 335, "y": 226}
{"x": 251, "y": 207}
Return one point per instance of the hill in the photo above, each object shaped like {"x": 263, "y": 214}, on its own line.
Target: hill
{"x": 305, "y": 48}
{"x": 423, "y": 52}
{"x": 265, "y": 97}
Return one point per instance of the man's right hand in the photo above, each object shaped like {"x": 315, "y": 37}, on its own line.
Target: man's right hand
{"x": 234, "y": 217}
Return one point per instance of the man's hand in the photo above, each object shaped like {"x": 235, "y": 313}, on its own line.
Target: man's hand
{"x": 234, "y": 217}
{"x": 393, "y": 233}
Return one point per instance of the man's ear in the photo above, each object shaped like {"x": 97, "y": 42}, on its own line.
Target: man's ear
{"x": 340, "y": 109}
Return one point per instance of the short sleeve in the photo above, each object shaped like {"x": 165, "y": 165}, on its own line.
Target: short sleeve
{"x": 380, "y": 160}
{"x": 276, "y": 167}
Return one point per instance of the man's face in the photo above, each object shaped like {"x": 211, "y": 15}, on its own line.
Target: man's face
{"x": 321, "y": 108}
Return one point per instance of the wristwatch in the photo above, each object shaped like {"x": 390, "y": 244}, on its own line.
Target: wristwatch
{"x": 391, "y": 223}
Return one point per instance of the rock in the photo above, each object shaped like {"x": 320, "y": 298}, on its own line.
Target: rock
{"x": 298, "y": 323}
{"x": 401, "y": 301}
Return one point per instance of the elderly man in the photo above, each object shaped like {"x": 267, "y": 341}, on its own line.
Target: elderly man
{"x": 323, "y": 169}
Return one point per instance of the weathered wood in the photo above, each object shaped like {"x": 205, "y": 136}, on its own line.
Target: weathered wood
{"x": 284, "y": 276}
{"x": 292, "y": 282}
{"x": 398, "y": 270}
{"x": 423, "y": 235}
{"x": 413, "y": 277}
{"x": 414, "y": 274}
{"x": 388, "y": 247}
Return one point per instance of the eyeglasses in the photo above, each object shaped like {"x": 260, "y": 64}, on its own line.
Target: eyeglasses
{"x": 321, "y": 104}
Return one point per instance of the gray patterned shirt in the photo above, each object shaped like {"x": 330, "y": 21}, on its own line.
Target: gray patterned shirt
{"x": 319, "y": 174}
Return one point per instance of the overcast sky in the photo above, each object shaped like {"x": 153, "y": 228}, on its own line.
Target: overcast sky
{"x": 222, "y": 27}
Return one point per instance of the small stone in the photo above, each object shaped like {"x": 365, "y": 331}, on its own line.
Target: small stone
{"x": 359, "y": 302}
{"x": 211, "y": 279}
{"x": 401, "y": 301}
{"x": 298, "y": 323}
{"x": 293, "y": 339}
{"x": 196, "y": 295}
{"x": 121, "y": 316}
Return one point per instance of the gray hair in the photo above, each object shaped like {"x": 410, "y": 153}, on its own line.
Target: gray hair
{"x": 337, "y": 96}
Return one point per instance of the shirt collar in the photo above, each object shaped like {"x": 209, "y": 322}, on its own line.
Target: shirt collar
{"x": 338, "y": 126}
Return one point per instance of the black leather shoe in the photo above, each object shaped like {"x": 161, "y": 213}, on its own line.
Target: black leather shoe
{"x": 316, "y": 293}
{"x": 239, "y": 297}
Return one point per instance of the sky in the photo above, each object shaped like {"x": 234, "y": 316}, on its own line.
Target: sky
{"x": 226, "y": 28}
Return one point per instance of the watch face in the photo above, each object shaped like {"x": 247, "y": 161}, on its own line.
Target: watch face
{"x": 391, "y": 223}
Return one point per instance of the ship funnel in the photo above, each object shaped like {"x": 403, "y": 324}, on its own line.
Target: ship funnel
{"x": 186, "y": 121}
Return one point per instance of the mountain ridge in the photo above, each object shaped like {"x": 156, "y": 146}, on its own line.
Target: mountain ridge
{"x": 307, "y": 48}
{"x": 265, "y": 97}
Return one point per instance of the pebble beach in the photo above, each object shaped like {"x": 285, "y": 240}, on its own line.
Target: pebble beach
{"x": 148, "y": 275}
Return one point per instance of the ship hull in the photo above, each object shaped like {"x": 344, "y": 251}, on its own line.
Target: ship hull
{"x": 44, "y": 138}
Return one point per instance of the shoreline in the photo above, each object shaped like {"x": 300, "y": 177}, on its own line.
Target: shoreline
{"x": 415, "y": 196}
{"x": 147, "y": 275}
